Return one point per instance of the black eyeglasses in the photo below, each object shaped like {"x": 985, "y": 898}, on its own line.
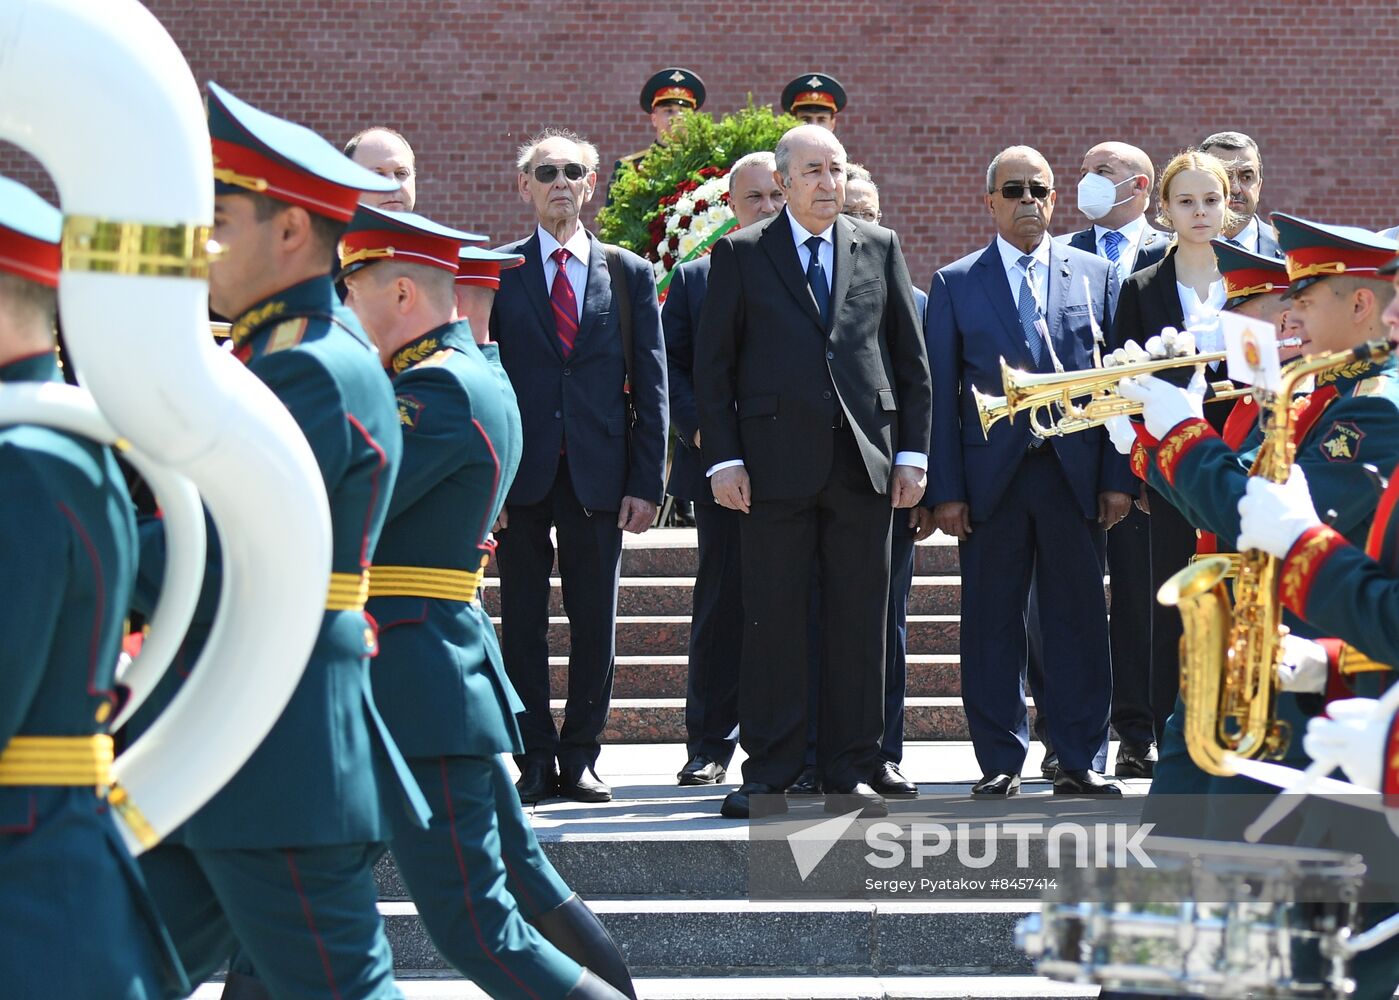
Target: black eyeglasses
{"x": 546, "y": 172}
{"x": 1015, "y": 190}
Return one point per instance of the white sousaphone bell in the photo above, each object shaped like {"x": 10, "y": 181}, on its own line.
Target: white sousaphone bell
{"x": 100, "y": 94}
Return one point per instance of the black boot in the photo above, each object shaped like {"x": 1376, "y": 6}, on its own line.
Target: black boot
{"x": 240, "y": 987}
{"x": 590, "y": 987}
{"x": 575, "y": 930}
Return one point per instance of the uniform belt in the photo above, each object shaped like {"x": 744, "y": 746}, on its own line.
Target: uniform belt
{"x": 348, "y": 591}
{"x": 1353, "y": 661}
{"x": 57, "y": 760}
{"x": 425, "y": 581}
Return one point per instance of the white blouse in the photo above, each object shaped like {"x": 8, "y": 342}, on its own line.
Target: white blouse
{"x": 1200, "y": 314}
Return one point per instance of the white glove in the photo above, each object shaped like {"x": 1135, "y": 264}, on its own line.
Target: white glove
{"x": 1272, "y": 516}
{"x": 1353, "y": 735}
{"x": 1165, "y": 405}
{"x": 1121, "y": 434}
{"x": 1129, "y": 353}
{"x": 1304, "y": 665}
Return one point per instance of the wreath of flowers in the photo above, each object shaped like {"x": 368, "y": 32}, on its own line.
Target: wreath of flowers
{"x": 690, "y": 220}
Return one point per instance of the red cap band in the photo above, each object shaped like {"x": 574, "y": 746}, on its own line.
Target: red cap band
{"x": 247, "y": 168}
{"x": 34, "y": 260}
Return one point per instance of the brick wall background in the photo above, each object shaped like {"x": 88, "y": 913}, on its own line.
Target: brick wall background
{"x": 936, "y": 88}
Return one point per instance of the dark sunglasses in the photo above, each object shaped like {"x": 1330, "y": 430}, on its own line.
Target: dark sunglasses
{"x": 546, "y": 172}
{"x": 1015, "y": 190}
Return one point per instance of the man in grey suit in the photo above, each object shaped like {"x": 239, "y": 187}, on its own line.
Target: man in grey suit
{"x": 1114, "y": 191}
{"x": 815, "y": 416}
{"x": 1241, "y": 159}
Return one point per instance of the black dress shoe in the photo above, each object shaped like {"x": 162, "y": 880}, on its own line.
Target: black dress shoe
{"x": 737, "y": 806}
{"x": 1136, "y": 760}
{"x": 887, "y": 781}
{"x": 993, "y": 786}
{"x": 701, "y": 771}
{"x": 1084, "y": 783}
{"x": 536, "y": 781}
{"x": 582, "y": 785}
{"x": 1050, "y": 765}
{"x": 859, "y": 796}
{"x": 807, "y": 783}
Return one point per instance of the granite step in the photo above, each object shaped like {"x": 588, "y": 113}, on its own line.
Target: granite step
{"x": 669, "y": 635}
{"x": 662, "y": 720}
{"x": 932, "y": 675}
{"x": 693, "y": 938}
{"x": 674, "y": 595}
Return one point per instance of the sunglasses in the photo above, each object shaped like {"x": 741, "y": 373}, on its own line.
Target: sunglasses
{"x": 546, "y": 172}
{"x": 1015, "y": 190}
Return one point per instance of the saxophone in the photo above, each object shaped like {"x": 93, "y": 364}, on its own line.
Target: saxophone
{"x": 1229, "y": 655}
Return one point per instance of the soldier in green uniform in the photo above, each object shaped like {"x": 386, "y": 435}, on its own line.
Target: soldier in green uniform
{"x": 77, "y": 922}
{"x": 280, "y": 861}
{"x": 814, "y": 98}
{"x": 664, "y": 96}
{"x": 439, "y": 678}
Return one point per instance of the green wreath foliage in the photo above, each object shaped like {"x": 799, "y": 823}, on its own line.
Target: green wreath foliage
{"x": 697, "y": 141}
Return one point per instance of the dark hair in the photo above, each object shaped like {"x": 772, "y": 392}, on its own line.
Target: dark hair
{"x": 324, "y": 230}
{"x": 358, "y": 137}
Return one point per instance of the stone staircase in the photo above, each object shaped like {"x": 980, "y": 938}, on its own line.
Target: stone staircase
{"x": 669, "y": 876}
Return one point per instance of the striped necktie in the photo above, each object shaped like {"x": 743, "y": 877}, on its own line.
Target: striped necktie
{"x": 565, "y": 303}
{"x": 1112, "y": 246}
{"x": 1030, "y": 313}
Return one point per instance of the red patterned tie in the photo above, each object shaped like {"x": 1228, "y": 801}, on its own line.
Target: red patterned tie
{"x": 565, "y": 303}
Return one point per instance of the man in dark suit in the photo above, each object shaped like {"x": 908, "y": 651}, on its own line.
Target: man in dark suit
{"x": 1015, "y": 502}
{"x": 716, "y": 626}
{"x": 590, "y": 469}
{"x": 1114, "y": 191}
{"x": 814, "y": 402}
{"x": 1244, "y": 164}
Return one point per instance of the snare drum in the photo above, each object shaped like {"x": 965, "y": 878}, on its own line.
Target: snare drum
{"x": 1211, "y": 919}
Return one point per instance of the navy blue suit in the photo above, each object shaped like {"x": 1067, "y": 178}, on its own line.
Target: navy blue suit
{"x": 1028, "y": 506}
{"x": 579, "y": 460}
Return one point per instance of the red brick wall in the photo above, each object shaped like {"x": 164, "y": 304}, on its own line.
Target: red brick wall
{"x": 935, "y": 88}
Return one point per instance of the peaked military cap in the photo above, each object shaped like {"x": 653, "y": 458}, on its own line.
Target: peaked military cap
{"x": 673, "y": 84}
{"x": 30, "y": 232}
{"x": 814, "y": 90}
{"x": 1247, "y": 274}
{"x": 476, "y": 266}
{"x": 255, "y": 151}
{"x": 376, "y": 234}
{"x": 1316, "y": 251}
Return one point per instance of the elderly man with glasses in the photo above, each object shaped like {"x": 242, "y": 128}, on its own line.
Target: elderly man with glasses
{"x": 579, "y": 330}
{"x": 1015, "y": 502}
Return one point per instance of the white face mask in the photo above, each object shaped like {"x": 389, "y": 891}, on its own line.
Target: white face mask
{"x": 1096, "y": 194}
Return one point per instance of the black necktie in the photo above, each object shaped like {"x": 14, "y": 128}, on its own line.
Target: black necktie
{"x": 816, "y": 278}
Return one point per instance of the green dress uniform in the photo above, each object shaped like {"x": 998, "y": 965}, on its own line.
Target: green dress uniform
{"x": 439, "y": 678}
{"x": 79, "y": 923}
{"x": 285, "y": 851}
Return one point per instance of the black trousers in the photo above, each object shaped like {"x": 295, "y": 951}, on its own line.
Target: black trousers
{"x": 716, "y": 636}
{"x": 845, "y": 527}
{"x": 590, "y": 559}
{"x": 1172, "y": 544}
{"x": 1129, "y": 630}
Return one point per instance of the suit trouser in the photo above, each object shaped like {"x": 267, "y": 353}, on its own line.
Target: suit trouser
{"x": 845, "y": 527}
{"x": 305, "y": 917}
{"x": 1036, "y": 529}
{"x": 1129, "y": 630}
{"x": 891, "y": 746}
{"x": 590, "y": 559}
{"x": 1173, "y": 541}
{"x": 456, "y": 872}
{"x": 716, "y": 636}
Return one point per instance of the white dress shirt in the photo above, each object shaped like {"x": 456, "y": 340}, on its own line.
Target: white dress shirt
{"x": 1039, "y": 274}
{"x": 1127, "y": 253}
{"x": 579, "y": 246}
{"x": 800, "y": 234}
{"x": 1248, "y": 237}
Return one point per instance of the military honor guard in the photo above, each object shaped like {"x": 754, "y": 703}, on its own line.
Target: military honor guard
{"x": 280, "y": 861}
{"x": 78, "y": 922}
{"x": 439, "y": 679}
{"x": 665, "y": 95}
{"x": 815, "y": 98}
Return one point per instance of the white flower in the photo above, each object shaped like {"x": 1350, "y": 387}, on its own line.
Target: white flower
{"x": 716, "y": 217}
{"x": 685, "y": 206}
{"x": 672, "y": 223}
{"x": 688, "y": 243}
{"x": 659, "y": 269}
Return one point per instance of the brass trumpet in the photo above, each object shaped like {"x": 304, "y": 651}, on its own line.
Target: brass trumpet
{"x": 1085, "y": 399}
